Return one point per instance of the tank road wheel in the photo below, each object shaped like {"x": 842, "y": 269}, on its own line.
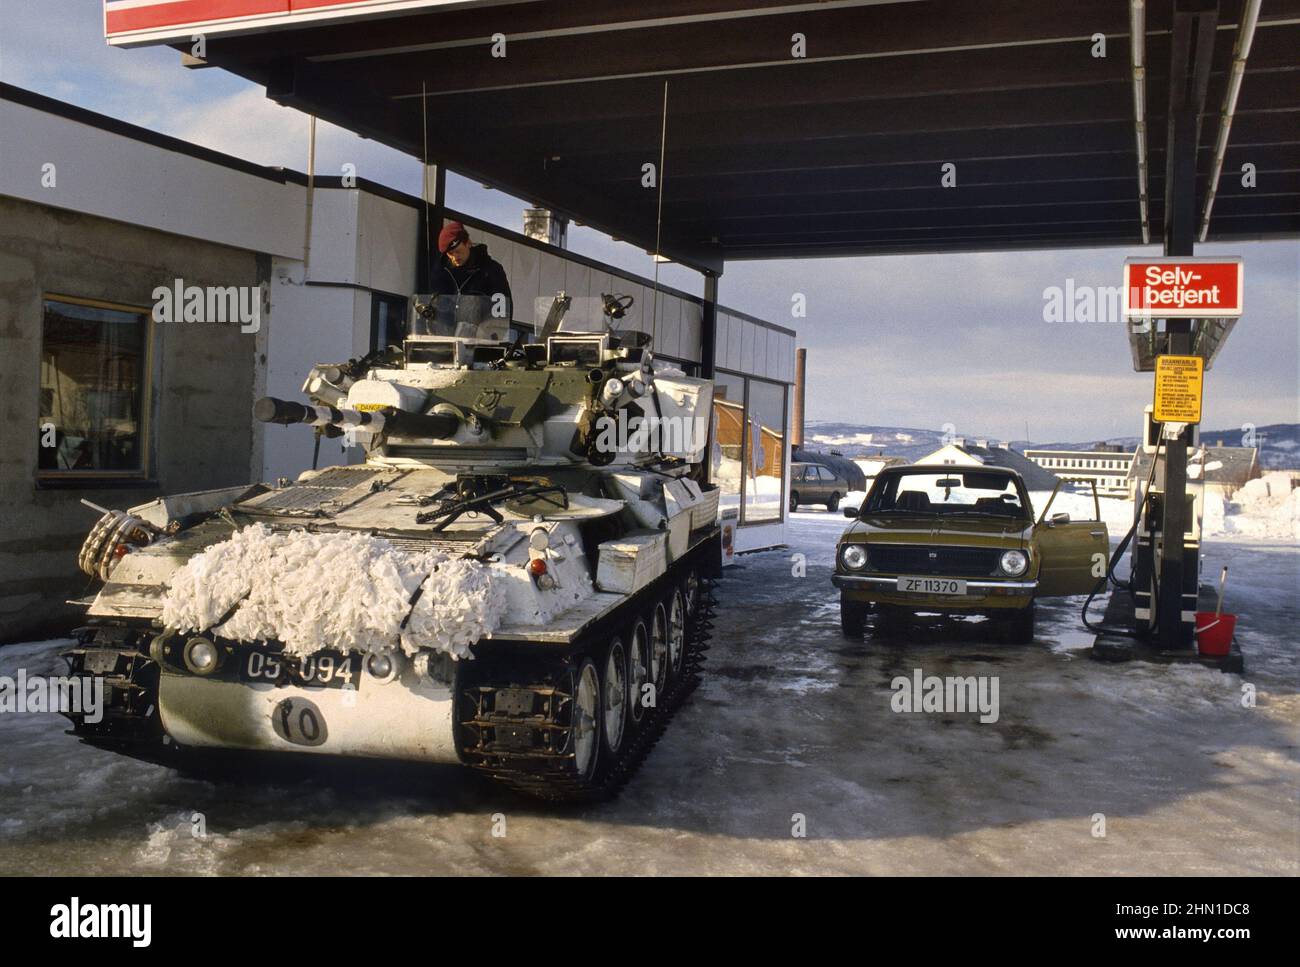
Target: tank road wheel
{"x": 691, "y": 593}
{"x": 585, "y": 721}
{"x": 638, "y": 664}
{"x": 659, "y": 650}
{"x": 853, "y": 618}
{"x": 614, "y": 696}
{"x": 1018, "y": 629}
{"x": 676, "y": 634}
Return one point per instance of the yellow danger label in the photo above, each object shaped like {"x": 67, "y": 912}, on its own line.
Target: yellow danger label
{"x": 369, "y": 407}
{"x": 1179, "y": 380}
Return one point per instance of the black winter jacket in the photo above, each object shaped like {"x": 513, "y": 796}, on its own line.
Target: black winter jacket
{"x": 480, "y": 275}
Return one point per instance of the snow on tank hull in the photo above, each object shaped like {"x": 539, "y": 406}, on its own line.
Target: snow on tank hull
{"x": 554, "y": 591}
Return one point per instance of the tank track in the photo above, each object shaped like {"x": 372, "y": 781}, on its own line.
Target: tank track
{"x": 488, "y": 736}
{"x": 118, "y": 655}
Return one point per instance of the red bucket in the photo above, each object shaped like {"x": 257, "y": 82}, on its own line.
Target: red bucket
{"x": 1214, "y": 632}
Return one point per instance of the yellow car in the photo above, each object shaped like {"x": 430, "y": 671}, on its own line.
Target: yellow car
{"x": 961, "y": 540}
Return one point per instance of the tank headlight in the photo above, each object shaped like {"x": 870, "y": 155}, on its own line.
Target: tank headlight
{"x": 158, "y": 648}
{"x": 1014, "y": 563}
{"x": 383, "y": 667}
{"x": 612, "y": 390}
{"x": 201, "y": 656}
{"x": 854, "y": 557}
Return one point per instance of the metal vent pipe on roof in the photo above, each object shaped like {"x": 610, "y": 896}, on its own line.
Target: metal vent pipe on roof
{"x": 1137, "y": 38}
{"x": 1240, "y": 51}
{"x": 800, "y": 375}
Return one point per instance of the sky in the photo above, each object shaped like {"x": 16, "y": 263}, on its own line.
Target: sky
{"x": 910, "y": 341}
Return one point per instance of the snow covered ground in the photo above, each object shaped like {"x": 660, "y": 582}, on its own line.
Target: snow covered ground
{"x": 791, "y": 719}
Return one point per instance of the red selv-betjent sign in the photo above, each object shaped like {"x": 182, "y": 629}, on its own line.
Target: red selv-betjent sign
{"x": 1183, "y": 288}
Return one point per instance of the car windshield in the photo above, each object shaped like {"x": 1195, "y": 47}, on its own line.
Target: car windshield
{"x": 948, "y": 493}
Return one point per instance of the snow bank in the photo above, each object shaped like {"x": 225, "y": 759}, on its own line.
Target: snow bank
{"x": 1266, "y": 508}
{"x": 344, "y": 591}
{"x": 1115, "y": 511}
{"x": 848, "y": 439}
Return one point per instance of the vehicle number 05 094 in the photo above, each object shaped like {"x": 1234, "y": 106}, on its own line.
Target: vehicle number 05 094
{"x": 315, "y": 671}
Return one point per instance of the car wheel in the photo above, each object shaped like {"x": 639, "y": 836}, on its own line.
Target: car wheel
{"x": 1019, "y": 628}
{"x": 834, "y": 503}
{"x": 853, "y": 618}
{"x": 794, "y": 501}
{"x": 891, "y": 620}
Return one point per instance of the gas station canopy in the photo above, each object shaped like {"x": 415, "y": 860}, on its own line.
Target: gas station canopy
{"x": 796, "y": 129}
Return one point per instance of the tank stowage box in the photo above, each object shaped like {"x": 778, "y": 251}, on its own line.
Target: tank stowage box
{"x": 518, "y": 577}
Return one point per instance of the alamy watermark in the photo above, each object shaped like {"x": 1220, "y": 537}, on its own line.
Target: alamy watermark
{"x": 75, "y": 920}
{"x": 36, "y": 694}
{"x": 212, "y": 303}
{"x": 953, "y": 694}
{"x": 643, "y": 434}
{"x": 1091, "y": 303}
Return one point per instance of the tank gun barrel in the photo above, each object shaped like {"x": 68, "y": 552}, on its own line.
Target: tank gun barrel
{"x": 437, "y": 426}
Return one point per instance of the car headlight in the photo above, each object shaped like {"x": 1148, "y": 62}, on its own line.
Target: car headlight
{"x": 384, "y": 666}
{"x": 854, "y": 557}
{"x": 1014, "y": 563}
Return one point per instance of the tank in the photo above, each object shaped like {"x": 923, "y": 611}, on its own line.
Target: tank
{"x": 516, "y": 572}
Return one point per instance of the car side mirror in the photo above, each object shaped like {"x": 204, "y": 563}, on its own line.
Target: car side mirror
{"x": 851, "y": 512}
{"x": 1061, "y": 518}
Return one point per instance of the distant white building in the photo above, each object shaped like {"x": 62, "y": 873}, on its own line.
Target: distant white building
{"x": 1107, "y": 466}
{"x": 871, "y": 466}
{"x": 982, "y": 453}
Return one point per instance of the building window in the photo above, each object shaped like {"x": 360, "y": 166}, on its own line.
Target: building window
{"x": 94, "y": 387}
{"x": 728, "y": 438}
{"x": 387, "y": 320}
{"x": 750, "y": 446}
{"x": 765, "y": 452}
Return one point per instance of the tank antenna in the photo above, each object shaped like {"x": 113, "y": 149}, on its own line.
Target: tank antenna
{"x": 659, "y": 215}
{"x": 424, "y": 183}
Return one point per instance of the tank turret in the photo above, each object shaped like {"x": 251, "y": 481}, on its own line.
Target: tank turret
{"x": 465, "y": 391}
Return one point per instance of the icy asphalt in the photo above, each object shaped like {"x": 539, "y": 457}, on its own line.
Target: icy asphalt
{"x": 791, "y": 721}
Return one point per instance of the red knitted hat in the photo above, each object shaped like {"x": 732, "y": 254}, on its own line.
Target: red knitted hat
{"x": 452, "y": 233}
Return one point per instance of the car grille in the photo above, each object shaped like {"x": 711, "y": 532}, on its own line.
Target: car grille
{"x": 934, "y": 559}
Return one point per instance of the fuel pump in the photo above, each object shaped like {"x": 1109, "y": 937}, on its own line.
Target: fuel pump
{"x": 1152, "y": 543}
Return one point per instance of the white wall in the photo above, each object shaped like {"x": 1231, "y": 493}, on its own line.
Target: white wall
{"x": 753, "y": 350}
{"x": 114, "y": 176}
{"x": 360, "y": 242}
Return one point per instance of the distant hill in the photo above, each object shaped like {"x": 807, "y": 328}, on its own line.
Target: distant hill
{"x": 1279, "y": 442}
